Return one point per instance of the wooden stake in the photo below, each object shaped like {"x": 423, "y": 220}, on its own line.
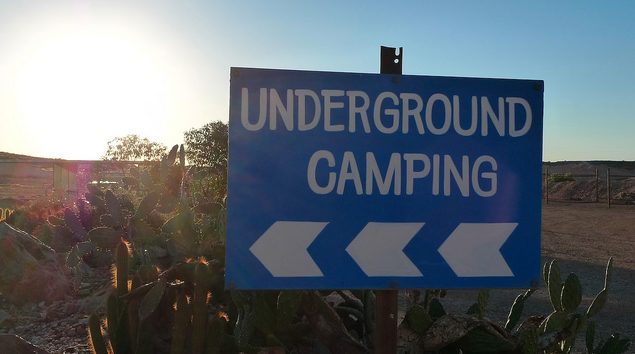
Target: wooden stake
{"x": 597, "y": 187}
{"x": 608, "y": 186}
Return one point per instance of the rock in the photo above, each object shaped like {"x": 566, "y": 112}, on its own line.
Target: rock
{"x": 408, "y": 341}
{"x": 15, "y": 258}
{"x": 447, "y": 330}
{"x": 473, "y": 334}
{"x": 30, "y": 269}
{"x": 10, "y": 343}
{"x": 70, "y": 308}
{"x": 4, "y": 316}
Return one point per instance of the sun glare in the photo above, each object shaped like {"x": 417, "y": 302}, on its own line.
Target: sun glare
{"x": 89, "y": 82}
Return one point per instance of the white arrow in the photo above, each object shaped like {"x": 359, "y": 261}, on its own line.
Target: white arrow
{"x": 282, "y": 249}
{"x": 378, "y": 249}
{"x": 473, "y": 250}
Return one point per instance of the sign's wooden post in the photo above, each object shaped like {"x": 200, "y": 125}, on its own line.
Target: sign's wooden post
{"x": 386, "y": 331}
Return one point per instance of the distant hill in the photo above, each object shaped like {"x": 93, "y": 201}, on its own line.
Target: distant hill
{"x": 589, "y": 167}
{"x": 11, "y": 156}
{"x": 581, "y": 184}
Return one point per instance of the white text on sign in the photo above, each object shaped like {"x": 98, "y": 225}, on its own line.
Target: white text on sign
{"x": 391, "y": 113}
{"x": 401, "y": 173}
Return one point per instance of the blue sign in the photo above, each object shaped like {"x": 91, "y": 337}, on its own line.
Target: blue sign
{"x": 343, "y": 180}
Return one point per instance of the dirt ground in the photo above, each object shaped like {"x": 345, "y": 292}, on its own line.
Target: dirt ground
{"x": 581, "y": 236}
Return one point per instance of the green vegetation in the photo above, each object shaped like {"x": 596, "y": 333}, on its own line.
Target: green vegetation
{"x": 207, "y": 146}
{"x": 164, "y": 234}
{"x": 134, "y": 148}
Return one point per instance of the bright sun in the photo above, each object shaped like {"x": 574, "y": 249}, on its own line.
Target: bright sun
{"x": 80, "y": 84}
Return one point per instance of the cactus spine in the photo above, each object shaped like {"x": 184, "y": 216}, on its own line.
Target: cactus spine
{"x": 116, "y": 307}
{"x": 122, "y": 254}
{"x": 95, "y": 336}
{"x": 199, "y": 307}
{"x": 181, "y": 324}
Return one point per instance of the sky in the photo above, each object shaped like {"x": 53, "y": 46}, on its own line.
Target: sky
{"x": 76, "y": 74}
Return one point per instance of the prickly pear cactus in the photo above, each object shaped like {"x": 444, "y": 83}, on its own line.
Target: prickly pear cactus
{"x": 560, "y": 329}
{"x": 571, "y": 295}
{"x": 553, "y": 333}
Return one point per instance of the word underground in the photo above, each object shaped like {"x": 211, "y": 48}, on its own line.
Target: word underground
{"x": 391, "y": 113}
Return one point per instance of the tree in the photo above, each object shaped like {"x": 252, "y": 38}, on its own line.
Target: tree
{"x": 134, "y": 148}
{"x": 207, "y": 146}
